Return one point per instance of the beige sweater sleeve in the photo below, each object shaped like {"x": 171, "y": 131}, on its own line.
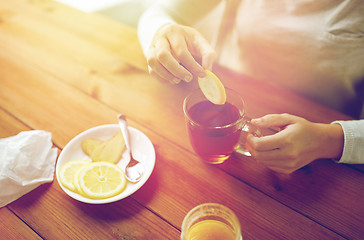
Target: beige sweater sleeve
{"x": 353, "y": 152}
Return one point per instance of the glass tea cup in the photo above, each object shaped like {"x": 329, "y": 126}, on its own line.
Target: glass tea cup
{"x": 211, "y": 221}
{"x": 216, "y": 131}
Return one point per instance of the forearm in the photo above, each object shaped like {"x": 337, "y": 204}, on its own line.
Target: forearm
{"x": 332, "y": 141}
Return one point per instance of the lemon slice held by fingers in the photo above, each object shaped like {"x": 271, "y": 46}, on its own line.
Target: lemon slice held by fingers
{"x": 212, "y": 88}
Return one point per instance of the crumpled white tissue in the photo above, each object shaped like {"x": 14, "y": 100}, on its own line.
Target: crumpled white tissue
{"x": 27, "y": 160}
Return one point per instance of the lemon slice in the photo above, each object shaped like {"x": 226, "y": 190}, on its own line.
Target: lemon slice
{"x": 212, "y": 88}
{"x": 100, "y": 180}
{"x": 68, "y": 171}
{"x": 76, "y": 179}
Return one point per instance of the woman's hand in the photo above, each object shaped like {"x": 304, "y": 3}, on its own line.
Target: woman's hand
{"x": 298, "y": 143}
{"x": 171, "y": 55}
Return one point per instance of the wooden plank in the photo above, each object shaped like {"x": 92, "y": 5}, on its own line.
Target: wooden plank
{"x": 107, "y": 40}
{"x": 106, "y": 84}
{"x": 84, "y": 65}
{"x": 104, "y": 80}
{"x": 13, "y": 228}
{"x": 54, "y": 215}
{"x": 173, "y": 189}
{"x": 10, "y": 126}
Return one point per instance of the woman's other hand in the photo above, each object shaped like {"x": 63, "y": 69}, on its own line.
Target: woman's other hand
{"x": 298, "y": 143}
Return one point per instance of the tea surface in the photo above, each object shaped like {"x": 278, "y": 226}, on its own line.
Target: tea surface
{"x": 211, "y": 115}
{"x": 214, "y": 136}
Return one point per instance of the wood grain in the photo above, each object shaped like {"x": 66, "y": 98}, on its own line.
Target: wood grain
{"x": 65, "y": 71}
{"x": 14, "y": 228}
{"x": 169, "y": 155}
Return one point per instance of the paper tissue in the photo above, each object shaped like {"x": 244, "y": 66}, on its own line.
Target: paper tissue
{"x": 27, "y": 160}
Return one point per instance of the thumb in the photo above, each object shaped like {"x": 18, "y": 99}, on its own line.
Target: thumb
{"x": 274, "y": 120}
{"x": 207, "y": 53}
{"x": 208, "y": 60}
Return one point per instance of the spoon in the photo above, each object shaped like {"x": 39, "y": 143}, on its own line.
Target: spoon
{"x": 134, "y": 169}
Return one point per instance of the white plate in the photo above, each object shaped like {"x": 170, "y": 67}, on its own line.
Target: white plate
{"x": 142, "y": 149}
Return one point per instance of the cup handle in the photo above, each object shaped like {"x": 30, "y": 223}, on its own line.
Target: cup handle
{"x": 247, "y": 128}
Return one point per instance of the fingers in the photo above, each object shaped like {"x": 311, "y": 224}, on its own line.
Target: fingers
{"x": 171, "y": 56}
{"x": 204, "y": 49}
{"x": 277, "y": 160}
{"x": 183, "y": 56}
{"x": 274, "y": 141}
{"x": 265, "y": 143}
{"x": 160, "y": 73}
{"x": 265, "y": 150}
{"x": 274, "y": 120}
{"x": 293, "y": 147}
{"x": 281, "y": 170}
{"x": 161, "y": 59}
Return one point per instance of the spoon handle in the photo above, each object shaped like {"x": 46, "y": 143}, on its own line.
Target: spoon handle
{"x": 124, "y": 130}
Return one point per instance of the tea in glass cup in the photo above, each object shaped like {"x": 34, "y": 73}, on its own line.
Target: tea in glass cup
{"x": 211, "y": 221}
{"x": 215, "y": 130}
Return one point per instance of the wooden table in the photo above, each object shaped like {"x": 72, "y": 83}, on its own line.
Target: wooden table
{"x": 65, "y": 71}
